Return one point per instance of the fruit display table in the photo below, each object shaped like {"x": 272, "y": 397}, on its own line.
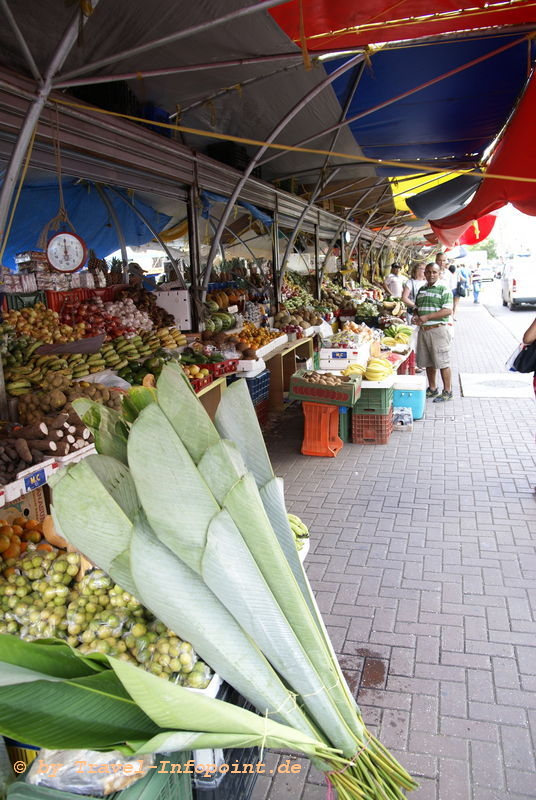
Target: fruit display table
{"x": 282, "y": 364}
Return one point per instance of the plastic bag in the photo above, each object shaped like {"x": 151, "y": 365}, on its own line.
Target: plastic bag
{"x": 86, "y": 771}
{"x": 510, "y": 360}
{"x": 525, "y": 361}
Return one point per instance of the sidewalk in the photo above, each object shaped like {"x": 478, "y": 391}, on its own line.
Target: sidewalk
{"x": 423, "y": 562}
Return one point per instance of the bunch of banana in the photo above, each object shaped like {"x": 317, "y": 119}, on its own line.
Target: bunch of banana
{"x": 299, "y": 529}
{"x": 170, "y": 338}
{"x": 378, "y": 369}
{"x": 354, "y": 369}
{"x": 396, "y": 330}
{"x": 394, "y": 307}
{"x": 389, "y": 341}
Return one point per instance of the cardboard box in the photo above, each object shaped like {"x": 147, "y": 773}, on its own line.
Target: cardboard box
{"x": 31, "y": 505}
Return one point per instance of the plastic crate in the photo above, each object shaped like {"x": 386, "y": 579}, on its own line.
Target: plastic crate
{"x": 374, "y": 401}
{"x": 231, "y": 785}
{"x": 200, "y": 383}
{"x": 55, "y": 300}
{"x": 345, "y": 417}
{"x": 258, "y": 387}
{"x": 316, "y": 359}
{"x": 222, "y": 367}
{"x": 17, "y": 300}
{"x": 342, "y": 394}
{"x": 321, "y": 430}
{"x": 372, "y": 429}
{"x": 262, "y": 409}
{"x": 407, "y": 367}
{"x": 156, "y": 785}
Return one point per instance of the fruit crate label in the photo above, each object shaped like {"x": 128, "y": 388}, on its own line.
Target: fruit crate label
{"x": 35, "y": 480}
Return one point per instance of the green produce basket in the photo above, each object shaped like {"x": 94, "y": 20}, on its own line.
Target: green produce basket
{"x": 374, "y": 401}
{"x": 19, "y": 300}
{"x": 345, "y": 418}
{"x": 154, "y": 786}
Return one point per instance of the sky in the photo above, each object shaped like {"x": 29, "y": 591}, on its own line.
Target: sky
{"x": 514, "y": 232}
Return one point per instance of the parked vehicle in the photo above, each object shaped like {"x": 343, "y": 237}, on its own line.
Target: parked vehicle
{"x": 519, "y": 282}
{"x": 487, "y": 272}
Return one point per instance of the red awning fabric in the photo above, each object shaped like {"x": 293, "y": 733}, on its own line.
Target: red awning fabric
{"x": 325, "y": 25}
{"x": 514, "y": 156}
{"x": 479, "y": 230}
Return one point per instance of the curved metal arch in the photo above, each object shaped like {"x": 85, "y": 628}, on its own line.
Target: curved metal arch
{"x": 254, "y": 161}
{"x": 155, "y": 233}
{"x": 115, "y": 221}
{"x": 34, "y": 112}
{"x": 321, "y": 182}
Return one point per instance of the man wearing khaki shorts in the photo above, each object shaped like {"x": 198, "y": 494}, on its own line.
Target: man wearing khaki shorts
{"x": 433, "y": 307}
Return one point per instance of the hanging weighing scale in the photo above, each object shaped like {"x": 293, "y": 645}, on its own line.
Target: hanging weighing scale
{"x": 66, "y": 252}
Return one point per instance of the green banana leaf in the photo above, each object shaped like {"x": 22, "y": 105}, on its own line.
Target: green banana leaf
{"x": 163, "y": 472}
{"x": 47, "y": 656}
{"x": 81, "y": 503}
{"x": 91, "y": 712}
{"x": 107, "y": 426}
{"x": 181, "y": 600}
{"x": 184, "y": 411}
{"x": 123, "y": 707}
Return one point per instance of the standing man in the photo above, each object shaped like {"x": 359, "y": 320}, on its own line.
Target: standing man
{"x": 433, "y": 308}
{"x": 476, "y": 280}
{"x": 394, "y": 282}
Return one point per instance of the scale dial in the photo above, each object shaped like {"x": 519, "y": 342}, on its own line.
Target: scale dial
{"x": 66, "y": 252}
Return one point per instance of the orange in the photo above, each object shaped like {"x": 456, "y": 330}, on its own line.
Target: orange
{"x": 45, "y": 546}
{"x": 6, "y": 530}
{"x": 18, "y": 529}
{"x": 4, "y": 543}
{"x": 12, "y": 551}
{"x": 31, "y": 524}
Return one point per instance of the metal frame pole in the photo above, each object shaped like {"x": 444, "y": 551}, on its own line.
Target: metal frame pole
{"x": 318, "y": 280}
{"x": 172, "y": 37}
{"x": 115, "y": 221}
{"x": 155, "y": 233}
{"x": 22, "y": 41}
{"x": 321, "y": 183}
{"x": 275, "y": 132}
{"x": 275, "y": 257}
{"x": 156, "y": 73}
{"x": 193, "y": 246}
{"x": 34, "y": 112}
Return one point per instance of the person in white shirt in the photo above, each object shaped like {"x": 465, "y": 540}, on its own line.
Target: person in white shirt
{"x": 394, "y": 282}
{"x": 411, "y": 288}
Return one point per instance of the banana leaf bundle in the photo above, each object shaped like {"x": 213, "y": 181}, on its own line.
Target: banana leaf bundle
{"x": 188, "y": 516}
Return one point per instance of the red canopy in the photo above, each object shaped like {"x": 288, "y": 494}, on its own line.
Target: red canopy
{"x": 514, "y": 157}
{"x": 345, "y": 24}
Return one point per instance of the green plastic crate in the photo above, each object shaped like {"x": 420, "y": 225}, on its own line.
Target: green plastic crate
{"x": 19, "y": 300}
{"x": 374, "y": 401}
{"x": 345, "y": 417}
{"x": 316, "y": 359}
{"x": 154, "y": 786}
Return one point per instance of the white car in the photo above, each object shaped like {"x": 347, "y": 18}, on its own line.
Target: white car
{"x": 518, "y": 285}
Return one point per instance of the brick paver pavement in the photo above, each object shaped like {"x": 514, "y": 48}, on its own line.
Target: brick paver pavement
{"x": 423, "y": 562}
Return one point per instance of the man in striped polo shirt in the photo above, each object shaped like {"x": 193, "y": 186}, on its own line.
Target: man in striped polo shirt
{"x": 433, "y": 308}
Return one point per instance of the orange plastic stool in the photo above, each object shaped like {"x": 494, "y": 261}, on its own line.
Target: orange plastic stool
{"x": 321, "y": 430}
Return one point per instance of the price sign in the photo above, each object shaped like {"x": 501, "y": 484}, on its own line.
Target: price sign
{"x": 35, "y": 480}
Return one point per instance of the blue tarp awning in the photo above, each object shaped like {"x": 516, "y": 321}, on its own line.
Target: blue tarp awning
{"x": 447, "y": 124}
{"x": 39, "y": 203}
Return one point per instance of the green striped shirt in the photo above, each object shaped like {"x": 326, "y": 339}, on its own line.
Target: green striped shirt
{"x": 433, "y": 298}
